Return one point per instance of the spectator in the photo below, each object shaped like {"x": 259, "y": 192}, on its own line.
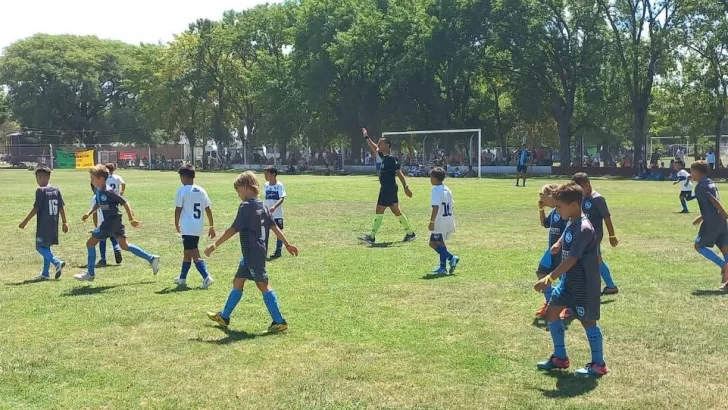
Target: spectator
{"x": 680, "y": 155}
{"x": 471, "y": 172}
{"x": 655, "y": 157}
{"x": 710, "y": 158}
{"x": 489, "y": 157}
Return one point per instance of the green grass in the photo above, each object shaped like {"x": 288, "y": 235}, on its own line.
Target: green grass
{"x": 366, "y": 330}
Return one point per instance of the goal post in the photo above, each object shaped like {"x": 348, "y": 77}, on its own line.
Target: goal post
{"x": 426, "y": 133}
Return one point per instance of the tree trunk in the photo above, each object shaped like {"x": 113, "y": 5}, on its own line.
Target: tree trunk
{"x": 639, "y": 114}
{"x": 718, "y": 129}
{"x": 565, "y": 141}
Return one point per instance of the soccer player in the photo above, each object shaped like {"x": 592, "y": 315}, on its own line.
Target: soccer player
{"x": 275, "y": 194}
{"x": 98, "y": 218}
{"x": 579, "y": 249}
{"x": 595, "y": 208}
{"x": 686, "y": 185}
{"x": 523, "y": 158}
{"x": 556, "y": 225}
{"x": 112, "y": 226}
{"x": 442, "y": 221}
{"x": 115, "y": 181}
{"x": 712, "y": 220}
{"x": 388, "y": 190}
{"x": 253, "y": 222}
{"x": 189, "y": 202}
{"x": 48, "y": 206}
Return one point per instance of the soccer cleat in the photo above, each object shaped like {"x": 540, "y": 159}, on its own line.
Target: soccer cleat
{"x": 84, "y": 277}
{"x": 541, "y": 312}
{"x": 102, "y": 263}
{"x": 217, "y": 317}
{"x": 117, "y": 256}
{"x": 454, "y": 263}
{"x": 367, "y": 239}
{"x": 207, "y": 282}
{"x": 440, "y": 271}
{"x": 155, "y": 264}
{"x": 41, "y": 277}
{"x": 409, "y": 237}
{"x": 180, "y": 282}
{"x": 610, "y": 291}
{"x": 593, "y": 369}
{"x": 277, "y": 327}
{"x": 554, "y": 363}
{"x": 684, "y": 211}
{"x": 59, "y": 269}
{"x": 724, "y": 284}
{"x": 566, "y": 314}
{"x": 276, "y": 255}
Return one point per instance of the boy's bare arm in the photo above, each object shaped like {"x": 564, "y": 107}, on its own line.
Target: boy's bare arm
{"x": 30, "y": 216}
{"x": 211, "y": 231}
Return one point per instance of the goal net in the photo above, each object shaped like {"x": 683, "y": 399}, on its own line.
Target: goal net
{"x": 458, "y": 151}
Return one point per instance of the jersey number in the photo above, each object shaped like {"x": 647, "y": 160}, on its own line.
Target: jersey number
{"x": 53, "y": 207}
{"x": 446, "y": 211}
{"x": 113, "y": 187}
{"x": 263, "y": 231}
{"x": 197, "y": 211}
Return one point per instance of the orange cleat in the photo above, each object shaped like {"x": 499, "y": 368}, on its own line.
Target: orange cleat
{"x": 541, "y": 312}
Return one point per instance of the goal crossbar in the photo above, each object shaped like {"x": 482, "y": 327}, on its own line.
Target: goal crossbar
{"x": 426, "y": 132}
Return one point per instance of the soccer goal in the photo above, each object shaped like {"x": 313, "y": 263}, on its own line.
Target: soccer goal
{"x": 433, "y": 147}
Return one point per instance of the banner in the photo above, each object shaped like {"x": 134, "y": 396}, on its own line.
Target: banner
{"x": 65, "y": 160}
{"x": 124, "y": 156}
{"x": 85, "y": 159}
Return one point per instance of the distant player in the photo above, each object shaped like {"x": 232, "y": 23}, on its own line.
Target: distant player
{"x": 580, "y": 290}
{"x": 686, "y": 185}
{"x": 595, "y": 208}
{"x": 442, "y": 221}
{"x": 112, "y": 226}
{"x": 712, "y": 220}
{"x": 48, "y": 206}
{"x": 275, "y": 194}
{"x": 388, "y": 190}
{"x": 189, "y": 202}
{"x": 556, "y": 225}
{"x": 98, "y": 218}
{"x": 523, "y": 158}
{"x": 253, "y": 222}
{"x": 115, "y": 181}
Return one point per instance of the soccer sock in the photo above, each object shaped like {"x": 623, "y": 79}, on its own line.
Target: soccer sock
{"x": 185, "y": 269}
{"x": 91, "y": 261}
{"x": 547, "y": 293}
{"x": 377, "y": 224}
{"x": 596, "y": 344}
{"x": 232, "y": 301}
{"x": 684, "y": 204}
{"x": 271, "y": 302}
{"x": 115, "y": 243}
{"x": 102, "y": 250}
{"x": 712, "y": 256}
{"x": 137, "y": 251}
{"x": 405, "y": 224}
{"x": 44, "y": 251}
{"x": 607, "y": 275}
{"x": 202, "y": 268}
{"x": 558, "y": 336}
{"x": 279, "y": 246}
{"x": 444, "y": 255}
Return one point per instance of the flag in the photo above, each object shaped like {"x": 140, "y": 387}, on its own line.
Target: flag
{"x": 85, "y": 159}
{"x": 65, "y": 160}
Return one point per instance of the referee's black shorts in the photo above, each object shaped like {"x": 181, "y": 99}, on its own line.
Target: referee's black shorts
{"x": 387, "y": 197}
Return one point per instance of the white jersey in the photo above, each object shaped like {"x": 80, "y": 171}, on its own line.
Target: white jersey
{"x": 274, "y": 193}
{"x": 99, "y": 213}
{"x": 683, "y": 178}
{"x": 115, "y": 181}
{"x": 193, "y": 200}
{"x": 445, "y": 219}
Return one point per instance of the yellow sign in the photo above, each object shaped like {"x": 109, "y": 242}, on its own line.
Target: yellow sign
{"x": 85, "y": 159}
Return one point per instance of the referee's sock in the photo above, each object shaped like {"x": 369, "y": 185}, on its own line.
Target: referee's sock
{"x": 377, "y": 224}
{"x": 405, "y": 224}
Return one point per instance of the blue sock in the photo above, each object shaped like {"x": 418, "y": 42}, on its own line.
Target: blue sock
{"x": 684, "y": 204}
{"x": 202, "y": 268}
{"x": 232, "y": 301}
{"x": 558, "y": 336}
{"x": 607, "y": 275}
{"x": 547, "y": 293}
{"x": 271, "y": 302}
{"x": 712, "y": 256}
{"x": 137, "y": 251}
{"x": 279, "y": 246}
{"x": 185, "y": 268}
{"x": 102, "y": 249}
{"x": 444, "y": 255}
{"x": 596, "y": 344}
{"x": 114, "y": 243}
{"x": 45, "y": 252}
{"x": 91, "y": 261}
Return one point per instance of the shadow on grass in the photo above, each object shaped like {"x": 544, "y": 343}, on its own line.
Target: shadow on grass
{"x": 569, "y": 385}
{"x": 710, "y": 292}
{"x": 29, "y": 281}
{"x": 383, "y": 245}
{"x": 91, "y": 290}
{"x": 176, "y": 289}
{"x": 608, "y": 301}
{"x": 431, "y": 276}
{"x": 231, "y": 336}
{"x": 98, "y": 267}
{"x": 541, "y": 323}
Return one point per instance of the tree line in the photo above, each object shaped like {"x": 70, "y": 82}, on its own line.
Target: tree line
{"x": 313, "y": 72}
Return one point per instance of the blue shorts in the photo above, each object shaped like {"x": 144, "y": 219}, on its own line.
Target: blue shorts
{"x": 110, "y": 228}
{"x": 379, "y": 166}
{"x": 436, "y": 237}
{"x": 548, "y": 263}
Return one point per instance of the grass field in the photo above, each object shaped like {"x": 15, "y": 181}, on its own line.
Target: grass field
{"x": 367, "y": 331}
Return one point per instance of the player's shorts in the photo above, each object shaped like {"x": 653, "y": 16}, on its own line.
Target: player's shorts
{"x": 686, "y": 195}
{"x": 522, "y": 169}
{"x": 709, "y": 236}
{"x": 587, "y": 312}
{"x": 279, "y": 223}
{"x": 440, "y": 236}
{"x": 548, "y": 263}
{"x": 244, "y": 272}
{"x": 190, "y": 242}
{"x": 110, "y": 228}
{"x": 378, "y": 166}
{"x": 46, "y": 241}
{"x": 387, "y": 197}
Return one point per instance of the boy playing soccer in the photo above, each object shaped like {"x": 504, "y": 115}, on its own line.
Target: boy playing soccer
{"x": 686, "y": 186}
{"x": 556, "y": 225}
{"x": 442, "y": 221}
{"x": 388, "y": 191}
{"x": 47, "y": 206}
{"x": 98, "y": 218}
{"x": 595, "y": 208}
{"x": 191, "y": 199}
{"x": 275, "y": 194}
{"x": 115, "y": 181}
{"x": 112, "y": 226}
{"x": 579, "y": 247}
{"x": 712, "y": 220}
{"x": 253, "y": 222}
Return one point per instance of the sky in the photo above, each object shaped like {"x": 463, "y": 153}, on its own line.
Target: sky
{"x": 131, "y": 21}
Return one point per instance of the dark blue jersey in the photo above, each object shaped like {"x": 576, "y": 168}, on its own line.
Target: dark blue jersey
{"x": 704, "y": 190}
{"x": 253, "y": 222}
{"x": 109, "y": 203}
{"x": 556, "y": 225}
{"x": 582, "y": 282}
{"x": 595, "y": 208}
{"x": 48, "y": 202}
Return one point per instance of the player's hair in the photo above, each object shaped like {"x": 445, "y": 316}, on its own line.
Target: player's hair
{"x": 388, "y": 141}
{"x": 187, "y": 171}
{"x": 247, "y": 179}
{"x": 680, "y": 162}
{"x": 93, "y": 188}
{"x": 700, "y": 166}
{"x": 549, "y": 189}
{"x": 111, "y": 167}
{"x": 568, "y": 193}
{"x": 272, "y": 170}
{"x": 42, "y": 169}
{"x": 99, "y": 170}
{"x": 580, "y": 178}
{"x": 438, "y": 173}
